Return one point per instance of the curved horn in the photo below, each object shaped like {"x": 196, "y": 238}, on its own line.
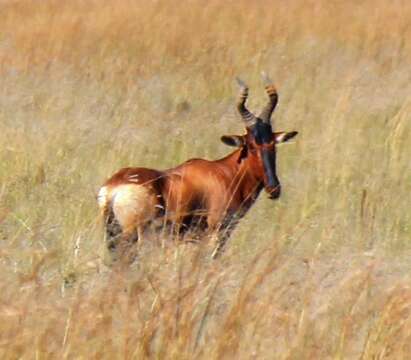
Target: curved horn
{"x": 265, "y": 115}
{"x": 246, "y": 115}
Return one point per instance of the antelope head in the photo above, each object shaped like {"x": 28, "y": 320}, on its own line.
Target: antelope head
{"x": 259, "y": 143}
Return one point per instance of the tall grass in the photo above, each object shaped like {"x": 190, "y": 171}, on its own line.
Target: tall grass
{"x": 87, "y": 87}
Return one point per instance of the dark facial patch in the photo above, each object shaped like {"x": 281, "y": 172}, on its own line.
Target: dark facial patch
{"x": 263, "y": 135}
{"x": 269, "y": 160}
{"x": 262, "y": 132}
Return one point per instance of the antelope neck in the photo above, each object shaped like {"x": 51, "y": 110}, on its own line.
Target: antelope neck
{"x": 242, "y": 170}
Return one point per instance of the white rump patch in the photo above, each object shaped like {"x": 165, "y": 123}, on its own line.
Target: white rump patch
{"x": 133, "y": 205}
{"x": 102, "y": 197}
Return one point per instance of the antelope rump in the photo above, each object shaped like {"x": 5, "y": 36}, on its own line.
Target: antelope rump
{"x": 202, "y": 196}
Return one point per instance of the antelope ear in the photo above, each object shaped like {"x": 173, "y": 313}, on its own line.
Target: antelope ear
{"x": 283, "y": 136}
{"x": 233, "y": 140}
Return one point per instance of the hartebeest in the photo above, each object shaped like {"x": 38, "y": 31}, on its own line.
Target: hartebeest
{"x": 198, "y": 194}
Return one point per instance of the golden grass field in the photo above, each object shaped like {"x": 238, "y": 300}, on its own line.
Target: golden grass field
{"x": 87, "y": 87}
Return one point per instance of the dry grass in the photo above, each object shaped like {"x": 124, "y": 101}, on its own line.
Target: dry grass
{"x": 89, "y": 86}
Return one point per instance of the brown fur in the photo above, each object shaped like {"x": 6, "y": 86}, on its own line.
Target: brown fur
{"x": 199, "y": 194}
{"x": 218, "y": 192}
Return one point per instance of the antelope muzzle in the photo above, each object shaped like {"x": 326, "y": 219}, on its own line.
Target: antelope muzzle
{"x": 273, "y": 192}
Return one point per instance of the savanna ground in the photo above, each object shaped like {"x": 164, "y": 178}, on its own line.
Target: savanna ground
{"x": 87, "y": 87}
